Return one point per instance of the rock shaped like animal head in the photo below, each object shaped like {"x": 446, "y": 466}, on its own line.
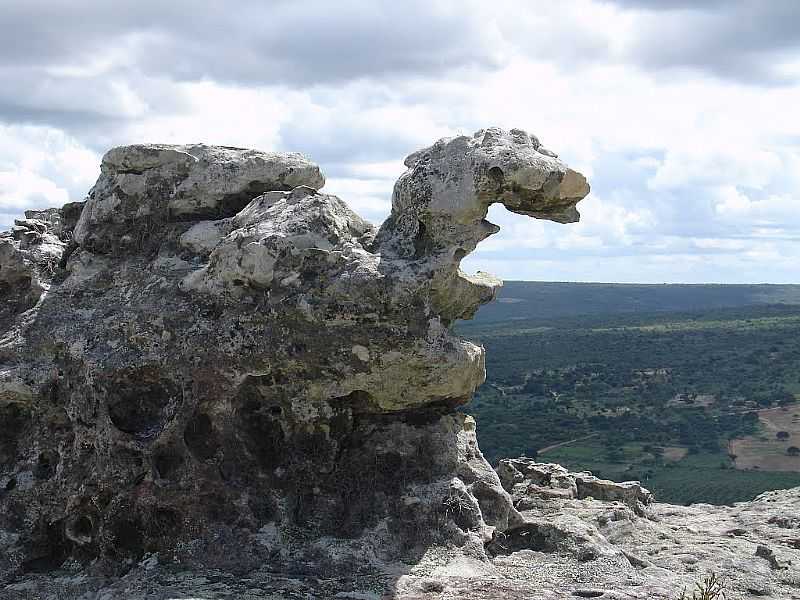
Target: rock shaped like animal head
{"x": 439, "y": 205}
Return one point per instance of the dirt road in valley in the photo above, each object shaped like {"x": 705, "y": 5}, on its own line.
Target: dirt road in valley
{"x": 567, "y": 443}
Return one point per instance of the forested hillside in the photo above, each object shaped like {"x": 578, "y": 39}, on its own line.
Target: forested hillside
{"x": 655, "y": 393}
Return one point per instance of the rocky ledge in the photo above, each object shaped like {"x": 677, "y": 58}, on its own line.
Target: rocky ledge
{"x": 217, "y": 381}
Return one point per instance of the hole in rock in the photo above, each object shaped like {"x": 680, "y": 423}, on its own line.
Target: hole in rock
{"x": 167, "y": 463}
{"x": 11, "y": 484}
{"x": 200, "y": 437}
{"x": 431, "y": 413}
{"x": 128, "y": 538}
{"x": 588, "y": 593}
{"x": 83, "y": 526}
{"x": 46, "y": 464}
{"x": 513, "y": 300}
{"x": 259, "y": 424}
{"x": 496, "y": 175}
{"x": 47, "y": 548}
{"x": 137, "y": 401}
{"x": 233, "y": 203}
{"x": 80, "y": 529}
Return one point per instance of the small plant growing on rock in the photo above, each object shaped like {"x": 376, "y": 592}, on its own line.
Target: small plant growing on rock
{"x": 711, "y": 587}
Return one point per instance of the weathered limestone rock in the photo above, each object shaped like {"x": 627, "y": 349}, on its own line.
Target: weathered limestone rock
{"x": 143, "y": 189}
{"x": 213, "y": 361}
{"x": 527, "y": 481}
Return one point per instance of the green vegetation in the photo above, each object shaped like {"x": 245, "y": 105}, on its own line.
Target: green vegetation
{"x": 711, "y": 587}
{"x": 634, "y": 385}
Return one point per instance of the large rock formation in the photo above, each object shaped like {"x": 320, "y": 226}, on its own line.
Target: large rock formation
{"x": 212, "y": 369}
{"x": 218, "y": 356}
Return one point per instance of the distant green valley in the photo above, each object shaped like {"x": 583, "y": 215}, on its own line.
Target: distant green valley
{"x": 694, "y": 390}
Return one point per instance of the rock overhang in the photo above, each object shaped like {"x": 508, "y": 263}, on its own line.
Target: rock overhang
{"x": 440, "y": 204}
{"x": 460, "y": 177}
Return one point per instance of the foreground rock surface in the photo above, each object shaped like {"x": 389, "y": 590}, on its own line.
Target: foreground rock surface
{"x": 217, "y": 381}
{"x": 754, "y": 546}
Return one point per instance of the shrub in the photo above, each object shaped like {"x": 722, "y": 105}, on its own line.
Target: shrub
{"x": 711, "y": 587}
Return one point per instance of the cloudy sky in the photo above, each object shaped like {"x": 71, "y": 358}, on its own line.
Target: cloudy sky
{"x": 684, "y": 114}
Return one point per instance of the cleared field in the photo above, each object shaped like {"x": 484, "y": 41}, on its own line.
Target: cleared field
{"x": 675, "y": 453}
{"x": 702, "y": 477}
{"x": 766, "y": 452}
{"x": 661, "y": 393}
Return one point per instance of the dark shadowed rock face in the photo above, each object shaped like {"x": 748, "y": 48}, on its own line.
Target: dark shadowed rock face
{"x": 212, "y": 360}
